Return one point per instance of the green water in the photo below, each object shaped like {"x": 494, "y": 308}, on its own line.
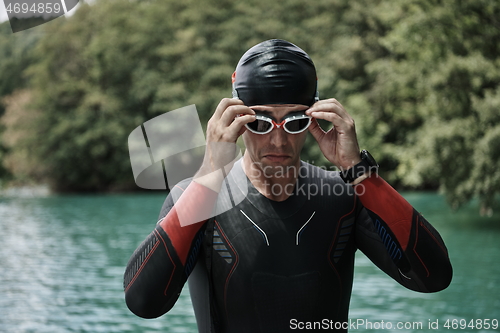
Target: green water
{"x": 62, "y": 260}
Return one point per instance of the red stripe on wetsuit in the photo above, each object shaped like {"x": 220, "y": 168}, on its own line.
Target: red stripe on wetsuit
{"x": 192, "y": 209}
{"x": 383, "y": 200}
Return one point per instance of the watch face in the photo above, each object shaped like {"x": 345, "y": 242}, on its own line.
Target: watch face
{"x": 369, "y": 158}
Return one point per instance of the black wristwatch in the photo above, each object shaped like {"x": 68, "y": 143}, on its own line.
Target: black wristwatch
{"x": 367, "y": 164}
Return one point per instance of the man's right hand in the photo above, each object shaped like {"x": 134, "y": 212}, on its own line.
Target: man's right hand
{"x": 223, "y": 129}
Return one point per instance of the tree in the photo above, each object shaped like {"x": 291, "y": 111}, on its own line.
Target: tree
{"x": 414, "y": 74}
{"x": 119, "y": 70}
{"x": 439, "y": 90}
{"x": 14, "y": 58}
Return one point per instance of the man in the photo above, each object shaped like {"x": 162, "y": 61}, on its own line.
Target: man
{"x": 279, "y": 249}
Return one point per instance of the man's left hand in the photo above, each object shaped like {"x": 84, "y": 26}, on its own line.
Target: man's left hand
{"x": 339, "y": 144}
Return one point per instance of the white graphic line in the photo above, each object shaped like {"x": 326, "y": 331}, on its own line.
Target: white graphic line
{"x": 265, "y": 236}
{"x": 298, "y": 232}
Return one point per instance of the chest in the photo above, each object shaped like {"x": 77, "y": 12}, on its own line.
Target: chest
{"x": 300, "y": 239}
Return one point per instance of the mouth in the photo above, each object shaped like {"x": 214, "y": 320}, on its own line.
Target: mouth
{"x": 277, "y": 157}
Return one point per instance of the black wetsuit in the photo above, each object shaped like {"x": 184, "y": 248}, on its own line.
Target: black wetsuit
{"x": 261, "y": 263}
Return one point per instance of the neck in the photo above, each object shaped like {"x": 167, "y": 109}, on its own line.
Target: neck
{"x": 275, "y": 183}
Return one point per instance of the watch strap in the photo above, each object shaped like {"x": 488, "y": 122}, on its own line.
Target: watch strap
{"x": 367, "y": 165}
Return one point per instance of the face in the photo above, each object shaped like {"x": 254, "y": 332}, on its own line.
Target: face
{"x": 278, "y": 150}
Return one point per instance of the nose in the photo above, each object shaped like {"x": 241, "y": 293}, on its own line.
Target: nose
{"x": 278, "y": 137}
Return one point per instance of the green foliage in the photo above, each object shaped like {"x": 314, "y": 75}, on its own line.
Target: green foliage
{"x": 420, "y": 77}
{"x": 438, "y": 90}
{"x": 119, "y": 70}
{"x": 14, "y": 58}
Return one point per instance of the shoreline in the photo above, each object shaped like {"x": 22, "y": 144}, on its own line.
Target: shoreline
{"x": 25, "y": 191}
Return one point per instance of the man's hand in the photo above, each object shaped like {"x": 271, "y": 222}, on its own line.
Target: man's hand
{"x": 227, "y": 122}
{"x": 223, "y": 129}
{"x": 339, "y": 144}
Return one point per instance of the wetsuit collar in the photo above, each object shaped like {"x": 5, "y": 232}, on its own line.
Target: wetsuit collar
{"x": 267, "y": 206}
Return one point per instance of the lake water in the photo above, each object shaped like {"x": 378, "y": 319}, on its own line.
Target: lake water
{"x": 62, "y": 260}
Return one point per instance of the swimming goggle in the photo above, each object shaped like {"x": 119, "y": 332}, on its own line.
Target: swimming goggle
{"x": 292, "y": 123}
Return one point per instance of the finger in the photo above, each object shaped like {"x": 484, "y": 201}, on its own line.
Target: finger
{"x": 329, "y": 105}
{"x": 237, "y": 127}
{"x": 234, "y": 111}
{"x": 321, "y": 103}
{"x": 325, "y": 101}
{"x": 224, "y": 104}
{"x": 338, "y": 122}
{"x": 240, "y": 122}
{"x": 328, "y": 101}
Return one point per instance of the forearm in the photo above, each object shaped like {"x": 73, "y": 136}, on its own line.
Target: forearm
{"x": 154, "y": 276}
{"x": 382, "y": 200}
{"x": 412, "y": 243}
{"x": 160, "y": 266}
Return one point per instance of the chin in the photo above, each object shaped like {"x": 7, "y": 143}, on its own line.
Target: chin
{"x": 277, "y": 168}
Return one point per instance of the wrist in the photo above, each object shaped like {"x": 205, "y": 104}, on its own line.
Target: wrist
{"x": 360, "y": 171}
{"x": 212, "y": 180}
{"x": 212, "y": 176}
{"x": 353, "y": 163}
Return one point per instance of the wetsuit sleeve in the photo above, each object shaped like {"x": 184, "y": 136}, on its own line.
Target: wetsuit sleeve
{"x": 399, "y": 240}
{"x": 160, "y": 266}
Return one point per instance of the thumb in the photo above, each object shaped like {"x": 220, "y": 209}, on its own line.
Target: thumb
{"x": 316, "y": 130}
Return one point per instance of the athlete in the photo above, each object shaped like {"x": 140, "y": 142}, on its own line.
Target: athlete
{"x": 268, "y": 241}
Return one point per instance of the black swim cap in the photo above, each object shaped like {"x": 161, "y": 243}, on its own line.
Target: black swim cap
{"x": 275, "y": 72}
